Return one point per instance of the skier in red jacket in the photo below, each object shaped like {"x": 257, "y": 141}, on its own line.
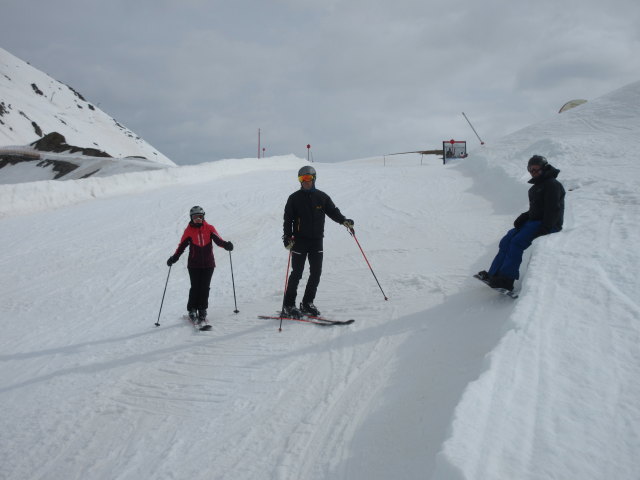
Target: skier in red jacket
{"x": 199, "y": 236}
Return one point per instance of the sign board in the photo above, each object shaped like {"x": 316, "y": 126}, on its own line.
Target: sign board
{"x": 454, "y": 149}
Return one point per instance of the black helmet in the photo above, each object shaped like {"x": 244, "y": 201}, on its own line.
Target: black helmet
{"x": 538, "y": 160}
{"x": 307, "y": 170}
{"x": 197, "y": 210}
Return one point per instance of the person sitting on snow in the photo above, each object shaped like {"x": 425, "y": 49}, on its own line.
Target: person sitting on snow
{"x": 545, "y": 216}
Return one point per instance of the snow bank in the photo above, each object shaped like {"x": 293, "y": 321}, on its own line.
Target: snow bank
{"x": 557, "y": 400}
{"x": 24, "y": 198}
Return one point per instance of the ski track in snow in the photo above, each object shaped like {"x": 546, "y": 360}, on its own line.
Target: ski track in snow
{"x": 243, "y": 398}
{"x": 446, "y": 380}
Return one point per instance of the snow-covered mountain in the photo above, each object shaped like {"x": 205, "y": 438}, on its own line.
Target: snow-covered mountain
{"x": 445, "y": 380}
{"x": 48, "y": 130}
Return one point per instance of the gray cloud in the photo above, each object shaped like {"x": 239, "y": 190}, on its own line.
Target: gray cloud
{"x": 354, "y": 78}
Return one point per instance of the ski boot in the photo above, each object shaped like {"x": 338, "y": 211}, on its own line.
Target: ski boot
{"x": 483, "y": 275}
{"x": 202, "y": 316}
{"x": 309, "y": 309}
{"x": 501, "y": 282}
{"x": 193, "y": 315}
{"x": 291, "y": 311}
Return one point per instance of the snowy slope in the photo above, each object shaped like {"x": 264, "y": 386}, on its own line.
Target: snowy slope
{"x": 560, "y": 397}
{"x": 32, "y": 105}
{"x": 446, "y": 380}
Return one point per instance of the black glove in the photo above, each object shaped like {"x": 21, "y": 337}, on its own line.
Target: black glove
{"x": 228, "y": 246}
{"x": 348, "y": 223}
{"x": 288, "y": 242}
{"x": 172, "y": 259}
{"x": 521, "y": 220}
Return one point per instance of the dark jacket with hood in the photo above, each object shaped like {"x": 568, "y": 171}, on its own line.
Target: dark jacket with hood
{"x": 304, "y": 214}
{"x": 546, "y": 202}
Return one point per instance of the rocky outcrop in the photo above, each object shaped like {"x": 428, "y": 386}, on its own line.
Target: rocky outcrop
{"x": 55, "y": 142}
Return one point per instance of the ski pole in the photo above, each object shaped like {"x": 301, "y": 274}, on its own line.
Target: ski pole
{"x": 233, "y": 283}
{"x": 165, "y": 291}
{"x": 353, "y": 234}
{"x": 286, "y": 283}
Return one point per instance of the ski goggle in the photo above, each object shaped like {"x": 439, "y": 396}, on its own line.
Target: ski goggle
{"x": 197, "y": 217}
{"x": 306, "y": 178}
{"x": 534, "y": 169}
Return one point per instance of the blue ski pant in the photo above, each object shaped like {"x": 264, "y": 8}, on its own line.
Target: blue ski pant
{"x": 512, "y": 246}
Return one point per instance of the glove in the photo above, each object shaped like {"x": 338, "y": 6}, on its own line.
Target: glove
{"x": 288, "y": 242}
{"x": 172, "y": 260}
{"x": 348, "y": 223}
{"x": 521, "y": 220}
{"x": 228, "y": 246}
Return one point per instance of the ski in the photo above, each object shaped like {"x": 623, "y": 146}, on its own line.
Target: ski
{"x": 325, "y": 322}
{"x": 337, "y": 322}
{"x": 199, "y": 326}
{"x": 503, "y": 291}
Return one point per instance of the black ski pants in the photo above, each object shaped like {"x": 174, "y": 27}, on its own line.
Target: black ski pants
{"x": 302, "y": 250}
{"x": 199, "y": 291}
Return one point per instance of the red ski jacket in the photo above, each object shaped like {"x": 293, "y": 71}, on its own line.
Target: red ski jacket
{"x": 199, "y": 239}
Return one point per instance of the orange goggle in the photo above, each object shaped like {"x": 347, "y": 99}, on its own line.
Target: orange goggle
{"x": 306, "y": 178}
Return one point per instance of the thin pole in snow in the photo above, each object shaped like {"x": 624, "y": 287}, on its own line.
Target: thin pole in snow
{"x": 233, "y": 283}
{"x": 353, "y": 234}
{"x": 286, "y": 284}
{"x": 474, "y": 130}
{"x": 165, "y": 291}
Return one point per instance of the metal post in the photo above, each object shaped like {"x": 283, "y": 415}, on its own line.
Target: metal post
{"x": 474, "y": 130}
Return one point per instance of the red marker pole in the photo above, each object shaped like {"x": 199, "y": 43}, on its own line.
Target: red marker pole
{"x": 352, "y": 232}
{"x": 286, "y": 284}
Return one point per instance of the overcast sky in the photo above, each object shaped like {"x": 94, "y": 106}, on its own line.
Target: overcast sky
{"x": 353, "y": 78}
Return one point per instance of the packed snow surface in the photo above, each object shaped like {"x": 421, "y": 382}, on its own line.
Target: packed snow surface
{"x": 445, "y": 380}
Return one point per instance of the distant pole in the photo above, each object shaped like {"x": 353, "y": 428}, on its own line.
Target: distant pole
{"x": 263, "y": 149}
{"x": 258, "y": 143}
{"x": 474, "y": 130}
{"x": 308, "y": 150}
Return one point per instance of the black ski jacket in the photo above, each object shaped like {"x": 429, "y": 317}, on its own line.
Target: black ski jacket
{"x": 546, "y": 201}
{"x": 304, "y": 214}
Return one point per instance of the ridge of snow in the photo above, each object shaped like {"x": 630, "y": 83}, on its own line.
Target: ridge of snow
{"x": 30, "y": 197}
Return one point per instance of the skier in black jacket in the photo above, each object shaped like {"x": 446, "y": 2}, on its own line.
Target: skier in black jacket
{"x": 303, "y": 233}
{"x": 545, "y": 216}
